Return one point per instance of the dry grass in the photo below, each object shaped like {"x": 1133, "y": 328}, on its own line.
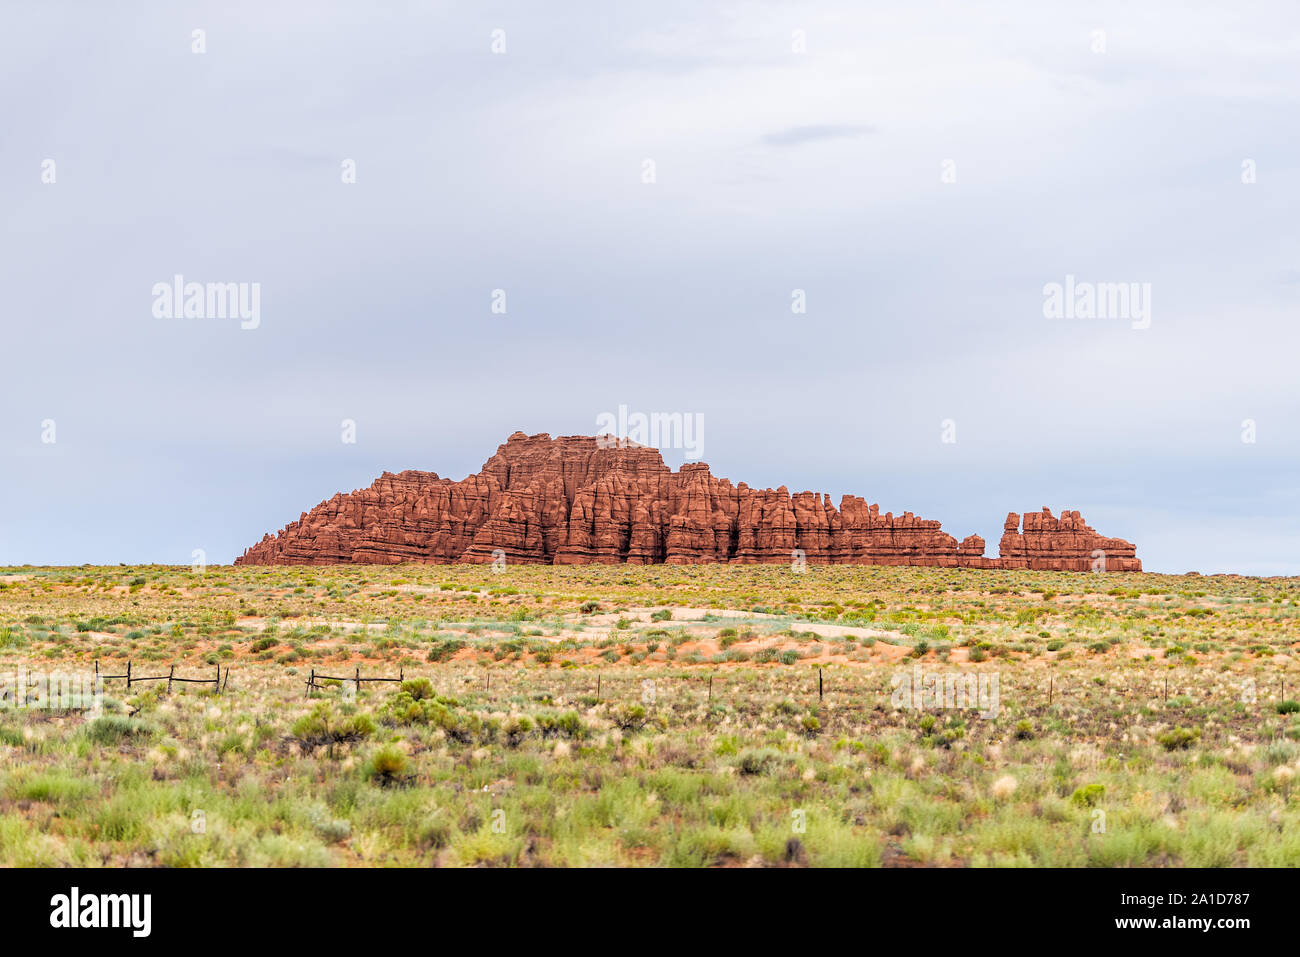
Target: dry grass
{"x": 707, "y": 743}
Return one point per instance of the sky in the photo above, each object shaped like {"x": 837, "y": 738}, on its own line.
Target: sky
{"x": 823, "y": 230}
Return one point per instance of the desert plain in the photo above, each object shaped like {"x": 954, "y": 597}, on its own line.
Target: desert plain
{"x": 707, "y": 715}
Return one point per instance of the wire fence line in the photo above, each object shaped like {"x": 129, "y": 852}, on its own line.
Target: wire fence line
{"x": 845, "y": 688}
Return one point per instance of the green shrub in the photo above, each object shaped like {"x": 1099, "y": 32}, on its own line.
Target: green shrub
{"x": 567, "y": 725}
{"x": 333, "y": 830}
{"x": 437, "y": 712}
{"x": 443, "y": 650}
{"x": 1088, "y": 795}
{"x": 517, "y": 729}
{"x": 1179, "y": 738}
{"x": 386, "y": 766}
{"x": 756, "y": 761}
{"x": 322, "y": 726}
{"x": 418, "y": 688}
{"x": 435, "y": 834}
{"x": 631, "y": 717}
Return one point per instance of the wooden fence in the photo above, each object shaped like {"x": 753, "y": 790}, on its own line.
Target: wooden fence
{"x": 314, "y": 680}
{"x": 218, "y": 682}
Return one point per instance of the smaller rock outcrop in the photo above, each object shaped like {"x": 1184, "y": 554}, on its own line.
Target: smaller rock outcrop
{"x": 1065, "y": 544}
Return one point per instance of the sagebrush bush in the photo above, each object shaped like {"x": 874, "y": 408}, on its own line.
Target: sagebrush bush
{"x": 325, "y": 726}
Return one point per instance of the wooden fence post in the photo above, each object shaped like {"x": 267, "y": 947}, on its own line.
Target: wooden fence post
{"x": 710, "y": 689}
{"x": 170, "y": 673}
{"x": 819, "y": 683}
{"x": 311, "y": 680}
{"x": 128, "y": 674}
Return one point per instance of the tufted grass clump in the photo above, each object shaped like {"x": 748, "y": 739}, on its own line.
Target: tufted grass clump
{"x": 113, "y": 729}
{"x": 387, "y": 766}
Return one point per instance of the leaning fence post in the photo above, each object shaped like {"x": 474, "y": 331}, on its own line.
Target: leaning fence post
{"x": 169, "y": 678}
{"x": 310, "y": 681}
{"x": 225, "y": 681}
{"x": 128, "y": 674}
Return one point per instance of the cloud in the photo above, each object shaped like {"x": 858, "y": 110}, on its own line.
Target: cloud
{"x": 523, "y": 172}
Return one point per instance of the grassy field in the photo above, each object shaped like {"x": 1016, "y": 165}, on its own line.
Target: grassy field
{"x": 652, "y": 716}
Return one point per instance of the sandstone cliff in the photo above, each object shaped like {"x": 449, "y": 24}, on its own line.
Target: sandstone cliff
{"x": 573, "y": 500}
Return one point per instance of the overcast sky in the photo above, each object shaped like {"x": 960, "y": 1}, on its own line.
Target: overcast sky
{"x": 919, "y": 170}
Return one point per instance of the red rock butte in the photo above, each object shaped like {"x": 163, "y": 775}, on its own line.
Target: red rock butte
{"x": 579, "y": 500}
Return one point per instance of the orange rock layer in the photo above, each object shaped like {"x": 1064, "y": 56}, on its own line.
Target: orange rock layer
{"x": 578, "y": 500}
